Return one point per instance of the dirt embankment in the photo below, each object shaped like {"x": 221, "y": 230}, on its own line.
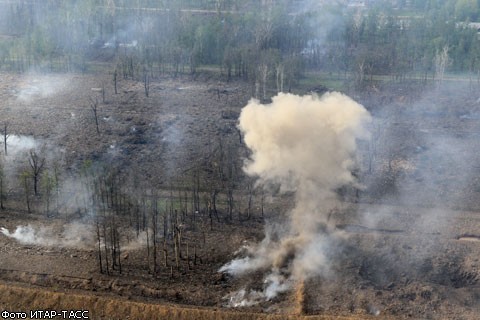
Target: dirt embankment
{"x": 16, "y": 298}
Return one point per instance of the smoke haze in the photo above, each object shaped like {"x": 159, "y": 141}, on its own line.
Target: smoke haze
{"x": 306, "y": 145}
{"x": 77, "y": 234}
{"x": 74, "y": 235}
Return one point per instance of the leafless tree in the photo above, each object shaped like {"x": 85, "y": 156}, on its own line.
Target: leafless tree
{"x": 37, "y": 164}
{"x": 263, "y": 72}
{"x": 2, "y": 186}
{"x": 103, "y": 92}
{"x": 99, "y": 242}
{"x": 250, "y": 195}
{"x": 48, "y": 185}
{"x": 115, "y": 74}
{"x": 5, "y": 137}
{"x": 441, "y": 61}
{"x": 146, "y": 82}
{"x": 264, "y": 28}
{"x": 25, "y": 181}
{"x": 154, "y": 233}
{"x": 94, "y": 106}
{"x": 280, "y": 76}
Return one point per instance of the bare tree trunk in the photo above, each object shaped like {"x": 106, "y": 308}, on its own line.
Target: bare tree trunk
{"x": 441, "y": 62}
{"x": 264, "y": 74}
{"x": 113, "y": 241}
{"x": 165, "y": 253}
{"x": 280, "y": 73}
{"x": 94, "y": 106}
{"x": 2, "y": 187}
{"x": 148, "y": 248}
{"x": 154, "y": 235}
{"x": 146, "y": 83}
{"x": 26, "y": 186}
{"x": 188, "y": 258}
{"x": 176, "y": 250}
{"x": 118, "y": 251}
{"x": 257, "y": 88}
{"x": 105, "y": 246}
{"x": 5, "y": 137}
{"x": 115, "y": 81}
{"x": 99, "y": 247}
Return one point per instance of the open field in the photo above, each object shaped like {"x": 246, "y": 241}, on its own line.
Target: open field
{"x": 408, "y": 239}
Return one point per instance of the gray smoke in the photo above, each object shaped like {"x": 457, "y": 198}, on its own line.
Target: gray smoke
{"x": 73, "y": 235}
{"x": 37, "y": 86}
{"x": 20, "y": 144}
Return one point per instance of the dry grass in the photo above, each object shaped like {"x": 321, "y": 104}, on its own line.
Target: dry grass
{"x": 300, "y": 298}
{"x": 17, "y": 298}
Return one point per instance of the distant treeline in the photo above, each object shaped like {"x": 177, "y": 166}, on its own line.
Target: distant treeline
{"x": 268, "y": 40}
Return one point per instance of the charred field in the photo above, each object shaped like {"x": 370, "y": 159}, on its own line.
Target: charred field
{"x": 142, "y": 200}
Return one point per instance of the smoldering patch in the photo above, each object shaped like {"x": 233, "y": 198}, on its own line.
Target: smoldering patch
{"x": 35, "y": 86}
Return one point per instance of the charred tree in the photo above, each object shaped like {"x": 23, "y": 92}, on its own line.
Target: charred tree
{"x": 2, "y": 187}
{"x": 5, "y": 138}
{"x": 37, "y": 164}
{"x": 146, "y": 83}
{"x": 94, "y": 107}
{"x": 154, "y": 234}
{"x": 25, "y": 181}
{"x": 99, "y": 242}
{"x": 115, "y": 74}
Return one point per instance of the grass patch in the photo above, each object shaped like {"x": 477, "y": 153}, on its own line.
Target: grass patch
{"x": 316, "y": 79}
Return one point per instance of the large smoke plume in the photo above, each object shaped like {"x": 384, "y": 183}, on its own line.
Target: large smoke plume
{"x": 305, "y": 145}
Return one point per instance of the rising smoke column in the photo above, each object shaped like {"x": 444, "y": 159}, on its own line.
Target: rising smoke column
{"x": 306, "y": 145}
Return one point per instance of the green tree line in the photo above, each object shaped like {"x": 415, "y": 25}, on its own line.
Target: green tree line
{"x": 258, "y": 41}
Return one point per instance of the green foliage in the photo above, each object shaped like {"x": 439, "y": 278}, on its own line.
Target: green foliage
{"x": 466, "y": 10}
{"x": 390, "y": 38}
{"x": 382, "y": 42}
{"x": 48, "y": 182}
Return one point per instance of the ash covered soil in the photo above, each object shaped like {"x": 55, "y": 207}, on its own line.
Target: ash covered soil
{"x": 405, "y": 253}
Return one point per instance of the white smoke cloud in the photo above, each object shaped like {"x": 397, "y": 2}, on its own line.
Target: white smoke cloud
{"x": 36, "y": 86}
{"x": 74, "y": 235}
{"x": 306, "y": 145}
{"x": 274, "y": 284}
{"x": 303, "y": 142}
{"x": 78, "y": 235}
{"x": 243, "y": 298}
{"x": 18, "y": 144}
